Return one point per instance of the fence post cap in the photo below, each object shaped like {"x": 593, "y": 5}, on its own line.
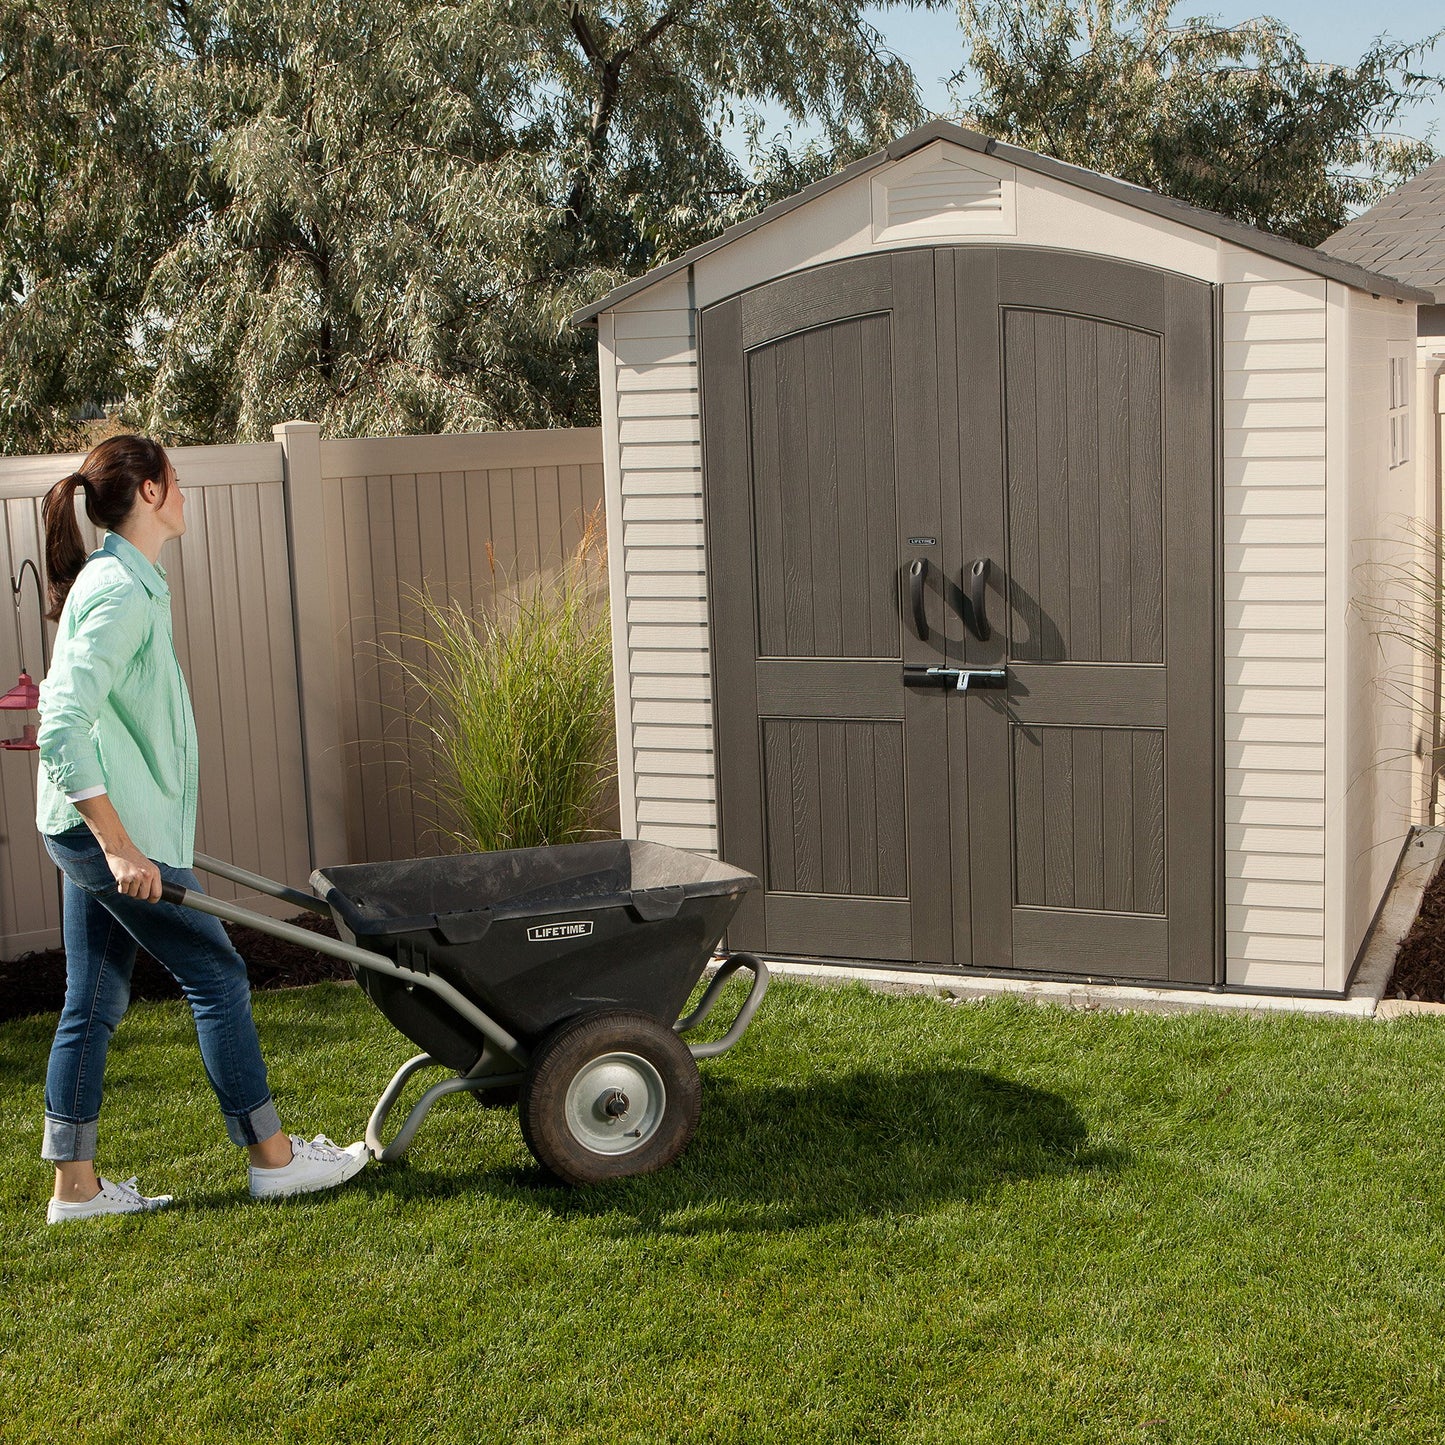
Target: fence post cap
{"x": 284, "y": 429}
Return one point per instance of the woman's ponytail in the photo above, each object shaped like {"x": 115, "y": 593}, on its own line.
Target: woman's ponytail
{"x": 65, "y": 552}
{"x": 111, "y": 474}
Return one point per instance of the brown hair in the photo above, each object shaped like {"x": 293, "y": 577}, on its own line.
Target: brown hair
{"x": 111, "y": 474}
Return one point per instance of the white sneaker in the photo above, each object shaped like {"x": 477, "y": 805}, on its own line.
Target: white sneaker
{"x": 113, "y": 1199}
{"x": 315, "y": 1164}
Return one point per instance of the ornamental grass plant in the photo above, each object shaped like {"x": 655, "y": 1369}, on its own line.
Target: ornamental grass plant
{"x": 516, "y": 702}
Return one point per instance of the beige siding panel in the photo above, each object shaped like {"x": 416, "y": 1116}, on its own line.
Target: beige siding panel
{"x": 1277, "y": 948}
{"x": 1277, "y": 866}
{"x": 673, "y": 425}
{"x": 659, "y": 522}
{"x": 1259, "y": 783}
{"x": 698, "y": 840}
{"x": 1272, "y": 356}
{"x": 1249, "y": 642}
{"x": 674, "y": 376}
{"x": 1291, "y": 531}
{"x": 661, "y": 509}
{"x": 1271, "y": 472}
{"x": 1246, "y": 327}
{"x": 1292, "y": 444}
{"x": 1280, "y": 977}
{"x": 665, "y": 484}
{"x": 667, "y": 609}
{"x": 1298, "y": 295}
{"x": 1274, "y": 565}
{"x": 667, "y": 584}
{"x": 1275, "y": 415}
{"x": 1280, "y": 922}
{"x": 698, "y": 785}
{"x": 669, "y": 711}
{"x": 1274, "y": 729}
{"x": 1273, "y": 385}
{"x": 669, "y": 663}
{"x": 675, "y": 764}
{"x": 1373, "y": 732}
{"x": 654, "y": 350}
{"x": 1285, "y": 758}
{"x": 1267, "y": 893}
{"x": 655, "y": 810}
{"x": 1253, "y": 672}
{"x": 656, "y": 404}
{"x": 1273, "y": 502}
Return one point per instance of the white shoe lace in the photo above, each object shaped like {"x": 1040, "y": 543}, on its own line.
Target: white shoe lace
{"x": 320, "y": 1148}
{"x": 126, "y": 1190}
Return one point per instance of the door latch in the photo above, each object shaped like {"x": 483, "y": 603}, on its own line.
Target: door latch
{"x": 955, "y": 679}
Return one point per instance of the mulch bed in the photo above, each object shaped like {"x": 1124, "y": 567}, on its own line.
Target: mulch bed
{"x": 35, "y": 982}
{"x": 1420, "y": 963}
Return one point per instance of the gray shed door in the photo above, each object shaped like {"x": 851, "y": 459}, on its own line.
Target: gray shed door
{"x": 1049, "y": 413}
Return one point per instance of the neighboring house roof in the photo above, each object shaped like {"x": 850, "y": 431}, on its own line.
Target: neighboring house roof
{"x": 1402, "y": 235}
{"x": 1306, "y": 258}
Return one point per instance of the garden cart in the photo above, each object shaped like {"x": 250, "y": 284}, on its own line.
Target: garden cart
{"x": 552, "y": 975}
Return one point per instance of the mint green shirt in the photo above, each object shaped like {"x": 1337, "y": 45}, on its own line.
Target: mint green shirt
{"x": 115, "y": 714}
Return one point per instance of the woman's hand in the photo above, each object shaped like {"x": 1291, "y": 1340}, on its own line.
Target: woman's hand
{"x": 135, "y": 875}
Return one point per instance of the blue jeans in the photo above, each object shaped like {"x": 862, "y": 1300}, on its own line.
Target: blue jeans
{"x": 102, "y": 928}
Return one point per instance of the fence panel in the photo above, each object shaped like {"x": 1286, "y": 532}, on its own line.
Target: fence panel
{"x": 292, "y": 577}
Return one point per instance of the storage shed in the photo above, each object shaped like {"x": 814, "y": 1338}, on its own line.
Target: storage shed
{"x": 983, "y": 531}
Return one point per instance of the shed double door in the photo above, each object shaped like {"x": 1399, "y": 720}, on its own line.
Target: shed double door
{"x": 1046, "y": 415}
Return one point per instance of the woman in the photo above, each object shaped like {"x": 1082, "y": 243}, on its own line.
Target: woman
{"x": 117, "y": 808}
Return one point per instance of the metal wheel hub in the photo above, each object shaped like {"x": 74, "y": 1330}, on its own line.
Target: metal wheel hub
{"x": 615, "y": 1103}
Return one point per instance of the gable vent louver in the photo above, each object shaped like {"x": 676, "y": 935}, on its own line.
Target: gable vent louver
{"x": 936, "y": 192}
{"x": 942, "y": 189}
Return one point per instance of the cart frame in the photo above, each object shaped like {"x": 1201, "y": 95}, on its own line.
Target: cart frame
{"x": 502, "y": 1049}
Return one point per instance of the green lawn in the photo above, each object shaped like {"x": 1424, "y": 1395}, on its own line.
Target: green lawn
{"x": 901, "y": 1220}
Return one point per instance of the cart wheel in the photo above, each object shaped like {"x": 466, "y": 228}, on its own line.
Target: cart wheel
{"x": 609, "y": 1095}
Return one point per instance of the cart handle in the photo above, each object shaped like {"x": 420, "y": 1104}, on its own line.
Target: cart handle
{"x": 349, "y": 953}
{"x": 705, "y": 1005}
{"x": 247, "y": 879}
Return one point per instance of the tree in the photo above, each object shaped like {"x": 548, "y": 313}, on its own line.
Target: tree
{"x": 378, "y": 217}
{"x": 1234, "y": 118}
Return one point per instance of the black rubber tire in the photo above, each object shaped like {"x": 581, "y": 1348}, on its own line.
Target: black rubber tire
{"x": 568, "y": 1050}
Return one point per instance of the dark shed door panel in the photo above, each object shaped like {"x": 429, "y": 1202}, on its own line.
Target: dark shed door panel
{"x": 819, "y": 427}
{"x": 1099, "y": 385}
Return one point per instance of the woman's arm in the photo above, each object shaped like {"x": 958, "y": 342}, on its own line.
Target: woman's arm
{"x": 134, "y": 873}
{"x": 107, "y": 630}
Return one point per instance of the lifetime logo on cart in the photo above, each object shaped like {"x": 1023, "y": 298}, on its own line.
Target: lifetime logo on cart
{"x": 547, "y": 932}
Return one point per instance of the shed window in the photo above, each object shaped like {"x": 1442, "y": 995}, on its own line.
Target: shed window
{"x": 1401, "y": 378}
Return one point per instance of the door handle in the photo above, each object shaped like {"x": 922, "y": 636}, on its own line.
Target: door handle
{"x": 917, "y": 573}
{"x": 978, "y": 597}
{"x": 955, "y": 679}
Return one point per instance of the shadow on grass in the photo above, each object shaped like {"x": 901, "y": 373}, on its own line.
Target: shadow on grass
{"x": 864, "y": 1144}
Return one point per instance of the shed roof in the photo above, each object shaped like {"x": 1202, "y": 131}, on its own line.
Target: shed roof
{"x": 1307, "y": 259}
{"x": 1402, "y": 235}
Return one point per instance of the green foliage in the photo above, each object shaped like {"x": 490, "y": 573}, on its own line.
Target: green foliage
{"x": 378, "y": 216}
{"x": 1236, "y": 119}
{"x": 521, "y": 712}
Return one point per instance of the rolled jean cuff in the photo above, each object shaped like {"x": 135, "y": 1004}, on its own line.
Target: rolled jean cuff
{"x": 68, "y": 1140}
{"x": 255, "y": 1124}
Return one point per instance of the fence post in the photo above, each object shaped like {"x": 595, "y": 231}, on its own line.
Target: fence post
{"x": 322, "y": 761}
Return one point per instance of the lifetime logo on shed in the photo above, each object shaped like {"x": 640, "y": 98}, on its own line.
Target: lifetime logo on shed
{"x": 550, "y": 932}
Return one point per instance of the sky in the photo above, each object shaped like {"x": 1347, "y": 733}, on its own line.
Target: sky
{"x": 1330, "y": 30}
